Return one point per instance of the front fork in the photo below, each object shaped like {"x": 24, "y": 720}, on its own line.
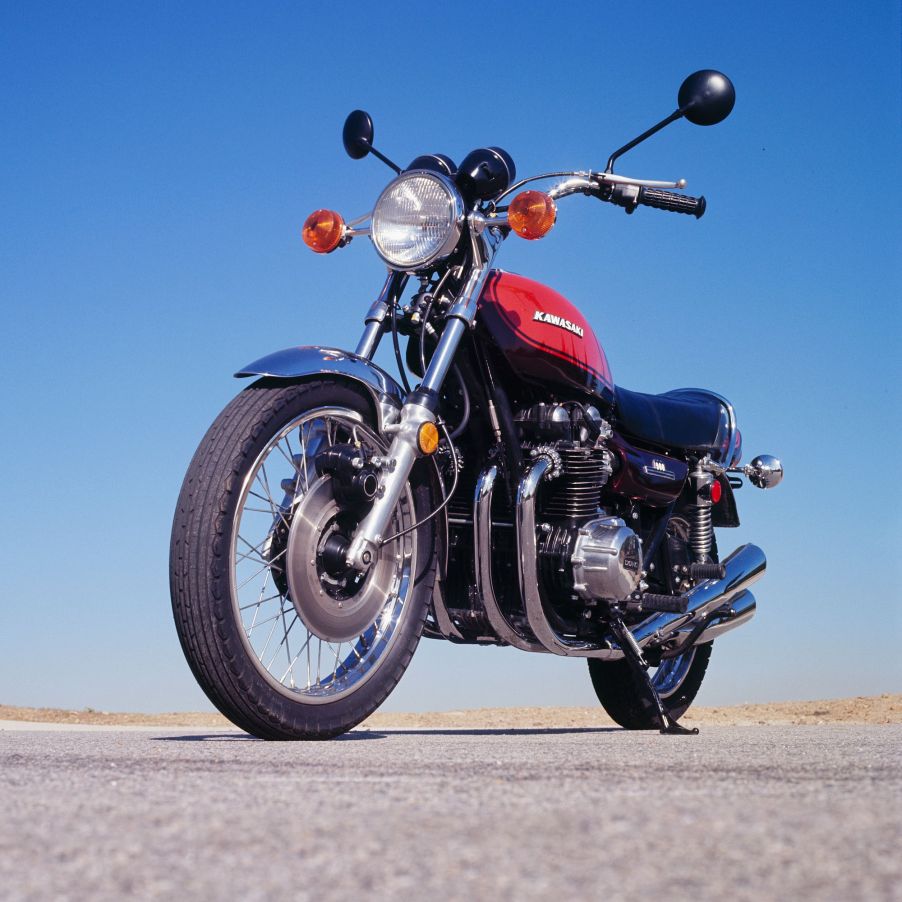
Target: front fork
{"x": 420, "y": 405}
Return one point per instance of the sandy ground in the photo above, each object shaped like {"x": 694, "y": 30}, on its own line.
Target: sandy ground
{"x": 880, "y": 709}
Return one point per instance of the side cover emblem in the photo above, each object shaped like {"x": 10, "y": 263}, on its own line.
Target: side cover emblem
{"x": 658, "y": 468}
{"x": 541, "y": 317}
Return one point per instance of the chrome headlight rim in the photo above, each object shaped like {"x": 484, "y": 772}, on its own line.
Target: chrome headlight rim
{"x": 456, "y": 218}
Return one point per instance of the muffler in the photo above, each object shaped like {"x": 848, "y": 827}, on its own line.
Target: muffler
{"x": 742, "y": 609}
{"x": 743, "y": 567}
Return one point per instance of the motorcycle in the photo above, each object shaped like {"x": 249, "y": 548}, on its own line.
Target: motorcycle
{"x": 500, "y": 491}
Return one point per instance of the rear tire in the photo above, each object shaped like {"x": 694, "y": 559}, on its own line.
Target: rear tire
{"x": 676, "y": 681}
{"x": 216, "y": 617}
{"x": 615, "y": 687}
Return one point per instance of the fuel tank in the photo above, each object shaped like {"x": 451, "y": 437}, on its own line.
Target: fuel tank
{"x": 543, "y": 337}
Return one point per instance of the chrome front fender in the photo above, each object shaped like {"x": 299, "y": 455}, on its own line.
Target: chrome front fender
{"x": 310, "y": 361}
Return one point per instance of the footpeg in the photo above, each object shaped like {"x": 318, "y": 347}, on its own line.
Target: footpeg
{"x": 658, "y": 604}
{"x": 699, "y": 572}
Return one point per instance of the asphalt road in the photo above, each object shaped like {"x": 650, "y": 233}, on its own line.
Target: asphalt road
{"x": 738, "y": 813}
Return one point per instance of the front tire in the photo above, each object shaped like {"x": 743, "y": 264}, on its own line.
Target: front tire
{"x": 252, "y": 514}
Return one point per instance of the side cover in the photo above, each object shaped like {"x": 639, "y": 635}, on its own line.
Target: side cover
{"x": 309, "y": 361}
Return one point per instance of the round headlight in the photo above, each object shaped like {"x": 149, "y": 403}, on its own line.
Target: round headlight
{"x": 417, "y": 220}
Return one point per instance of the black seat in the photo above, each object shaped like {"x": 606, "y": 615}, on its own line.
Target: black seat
{"x": 690, "y": 419}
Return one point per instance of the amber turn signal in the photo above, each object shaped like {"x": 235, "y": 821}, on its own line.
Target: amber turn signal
{"x": 427, "y": 438}
{"x": 532, "y": 214}
{"x": 323, "y": 231}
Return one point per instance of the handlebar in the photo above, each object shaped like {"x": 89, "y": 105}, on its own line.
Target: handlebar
{"x": 626, "y": 192}
{"x": 631, "y": 196}
{"x": 668, "y": 200}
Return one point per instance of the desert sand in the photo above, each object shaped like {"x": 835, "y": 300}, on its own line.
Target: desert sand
{"x": 878, "y": 709}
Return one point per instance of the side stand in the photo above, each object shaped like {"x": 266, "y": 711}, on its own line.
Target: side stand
{"x": 639, "y": 668}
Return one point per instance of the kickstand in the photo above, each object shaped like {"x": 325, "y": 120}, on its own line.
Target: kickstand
{"x": 639, "y": 668}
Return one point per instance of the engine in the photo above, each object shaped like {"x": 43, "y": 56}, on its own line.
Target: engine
{"x": 584, "y": 554}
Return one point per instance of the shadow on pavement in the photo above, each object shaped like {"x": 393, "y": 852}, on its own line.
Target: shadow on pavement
{"x": 500, "y": 731}
{"x": 241, "y": 737}
{"x": 383, "y": 734}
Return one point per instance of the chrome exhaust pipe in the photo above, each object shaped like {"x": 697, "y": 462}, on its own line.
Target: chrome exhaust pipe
{"x": 744, "y": 566}
{"x": 742, "y": 609}
{"x": 529, "y": 575}
{"x": 482, "y": 546}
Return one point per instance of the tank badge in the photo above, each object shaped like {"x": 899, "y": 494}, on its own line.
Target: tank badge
{"x": 541, "y": 317}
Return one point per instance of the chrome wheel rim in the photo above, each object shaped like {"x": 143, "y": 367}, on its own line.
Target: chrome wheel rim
{"x": 288, "y": 654}
{"x": 671, "y": 673}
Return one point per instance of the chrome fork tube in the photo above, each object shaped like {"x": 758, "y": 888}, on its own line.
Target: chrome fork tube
{"x": 460, "y": 317}
{"x": 375, "y": 318}
{"x": 419, "y": 409}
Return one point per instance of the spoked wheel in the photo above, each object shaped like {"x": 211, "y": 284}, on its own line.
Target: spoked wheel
{"x": 285, "y": 640}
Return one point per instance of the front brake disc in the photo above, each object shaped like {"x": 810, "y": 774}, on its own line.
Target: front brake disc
{"x": 335, "y": 605}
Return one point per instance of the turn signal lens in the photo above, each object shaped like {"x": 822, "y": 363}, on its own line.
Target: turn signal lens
{"x": 531, "y": 214}
{"x": 427, "y": 438}
{"x": 323, "y": 231}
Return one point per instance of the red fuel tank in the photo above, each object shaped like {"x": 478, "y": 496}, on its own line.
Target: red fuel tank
{"x": 544, "y": 338}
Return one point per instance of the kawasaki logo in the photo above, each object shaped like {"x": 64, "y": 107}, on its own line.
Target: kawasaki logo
{"x": 560, "y": 322}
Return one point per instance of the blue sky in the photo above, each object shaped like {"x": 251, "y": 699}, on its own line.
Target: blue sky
{"x": 158, "y": 160}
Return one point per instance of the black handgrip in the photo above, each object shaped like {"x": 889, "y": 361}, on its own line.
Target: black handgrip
{"x": 668, "y": 200}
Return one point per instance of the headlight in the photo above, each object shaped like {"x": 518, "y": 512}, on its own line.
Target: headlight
{"x": 417, "y": 220}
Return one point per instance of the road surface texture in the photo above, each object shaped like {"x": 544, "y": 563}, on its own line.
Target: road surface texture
{"x": 735, "y": 813}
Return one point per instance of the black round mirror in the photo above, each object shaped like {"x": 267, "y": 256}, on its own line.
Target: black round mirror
{"x": 706, "y": 97}
{"x": 357, "y": 135}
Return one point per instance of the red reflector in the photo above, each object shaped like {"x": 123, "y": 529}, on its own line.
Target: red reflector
{"x": 716, "y": 491}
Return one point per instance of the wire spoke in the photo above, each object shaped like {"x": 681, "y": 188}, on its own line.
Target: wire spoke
{"x": 281, "y": 614}
{"x": 256, "y": 510}
{"x": 277, "y": 509}
{"x": 292, "y": 462}
{"x": 267, "y": 566}
{"x": 268, "y": 638}
{"x": 292, "y": 662}
{"x": 279, "y": 646}
{"x": 304, "y": 453}
{"x": 259, "y": 601}
{"x": 256, "y": 604}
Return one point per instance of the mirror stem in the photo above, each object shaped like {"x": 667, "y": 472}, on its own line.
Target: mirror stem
{"x": 385, "y": 160}
{"x": 676, "y": 114}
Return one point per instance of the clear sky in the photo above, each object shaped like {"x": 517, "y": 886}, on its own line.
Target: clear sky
{"x": 158, "y": 159}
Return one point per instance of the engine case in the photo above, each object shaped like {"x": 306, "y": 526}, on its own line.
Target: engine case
{"x": 606, "y": 560}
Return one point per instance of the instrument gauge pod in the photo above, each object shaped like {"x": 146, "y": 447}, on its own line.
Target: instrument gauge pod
{"x": 485, "y": 173}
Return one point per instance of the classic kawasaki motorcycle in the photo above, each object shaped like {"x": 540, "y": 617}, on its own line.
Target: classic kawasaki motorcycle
{"x": 501, "y": 491}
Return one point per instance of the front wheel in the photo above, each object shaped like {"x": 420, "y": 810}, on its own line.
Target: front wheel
{"x": 285, "y": 642}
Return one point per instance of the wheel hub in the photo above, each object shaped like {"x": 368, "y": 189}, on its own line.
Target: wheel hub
{"x": 335, "y": 602}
